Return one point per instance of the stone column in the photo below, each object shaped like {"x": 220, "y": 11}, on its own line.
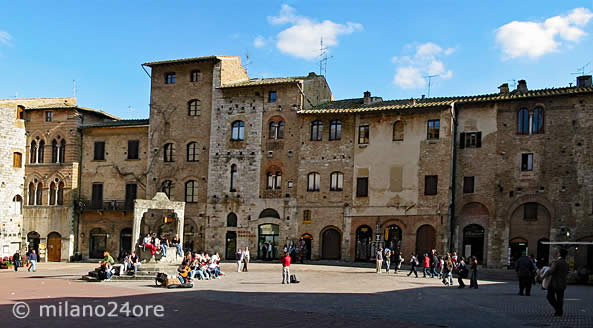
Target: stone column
{"x": 180, "y": 224}
{"x": 138, "y": 214}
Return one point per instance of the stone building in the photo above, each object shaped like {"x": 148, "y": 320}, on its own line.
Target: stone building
{"x": 114, "y": 171}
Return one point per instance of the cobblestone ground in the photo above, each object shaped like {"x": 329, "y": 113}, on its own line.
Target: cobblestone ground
{"x": 327, "y": 296}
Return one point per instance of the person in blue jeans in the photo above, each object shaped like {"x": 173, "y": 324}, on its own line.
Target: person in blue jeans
{"x": 175, "y": 242}
{"x": 33, "y": 261}
{"x": 164, "y": 244}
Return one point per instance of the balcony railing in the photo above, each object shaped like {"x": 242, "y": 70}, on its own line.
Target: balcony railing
{"x": 105, "y": 205}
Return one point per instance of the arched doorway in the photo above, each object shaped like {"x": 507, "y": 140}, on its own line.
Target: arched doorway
{"x": 330, "y": 245}
{"x": 125, "y": 241}
{"x": 364, "y": 239}
{"x": 231, "y": 246}
{"x": 425, "y": 239}
{"x": 518, "y": 246}
{"x": 33, "y": 239}
{"x": 543, "y": 253}
{"x": 267, "y": 246}
{"x": 393, "y": 238}
{"x": 97, "y": 243}
{"x": 473, "y": 242}
{"x": 54, "y": 247}
{"x": 308, "y": 239}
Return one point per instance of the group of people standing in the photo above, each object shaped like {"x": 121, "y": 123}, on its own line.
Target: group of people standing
{"x": 161, "y": 244}
{"x": 31, "y": 256}
{"x": 243, "y": 258}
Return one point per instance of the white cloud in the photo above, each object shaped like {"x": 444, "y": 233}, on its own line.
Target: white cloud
{"x": 427, "y": 60}
{"x": 5, "y": 38}
{"x": 302, "y": 38}
{"x": 259, "y": 41}
{"x": 533, "y": 39}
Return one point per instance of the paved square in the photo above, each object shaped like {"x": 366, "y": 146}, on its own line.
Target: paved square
{"x": 327, "y": 296}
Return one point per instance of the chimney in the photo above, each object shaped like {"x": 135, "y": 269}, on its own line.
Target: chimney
{"x": 367, "y": 97}
{"x": 584, "y": 81}
{"x": 423, "y": 96}
{"x": 522, "y": 86}
{"x": 504, "y": 89}
{"x": 412, "y": 101}
{"x": 312, "y": 74}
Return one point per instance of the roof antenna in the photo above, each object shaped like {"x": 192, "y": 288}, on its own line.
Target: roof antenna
{"x": 323, "y": 59}
{"x": 429, "y": 77}
{"x": 513, "y": 84}
{"x": 247, "y": 61}
{"x": 131, "y": 110}
{"x": 581, "y": 70}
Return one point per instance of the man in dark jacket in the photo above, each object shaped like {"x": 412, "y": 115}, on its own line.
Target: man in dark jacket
{"x": 525, "y": 272}
{"x": 559, "y": 272}
{"x": 16, "y": 259}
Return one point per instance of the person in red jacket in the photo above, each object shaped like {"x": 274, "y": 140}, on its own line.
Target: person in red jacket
{"x": 426, "y": 264}
{"x": 286, "y": 269}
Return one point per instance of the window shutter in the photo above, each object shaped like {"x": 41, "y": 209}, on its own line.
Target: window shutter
{"x": 478, "y": 139}
{"x": 462, "y": 140}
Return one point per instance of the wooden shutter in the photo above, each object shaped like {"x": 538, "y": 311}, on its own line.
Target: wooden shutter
{"x": 99, "y": 151}
{"x": 362, "y": 187}
{"x": 131, "y": 192}
{"x": 97, "y": 196}
{"x": 133, "y": 146}
{"x": 462, "y": 140}
{"x": 478, "y": 139}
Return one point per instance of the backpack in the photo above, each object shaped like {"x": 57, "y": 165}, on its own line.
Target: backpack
{"x": 293, "y": 279}
{"x": 160, "y": 278}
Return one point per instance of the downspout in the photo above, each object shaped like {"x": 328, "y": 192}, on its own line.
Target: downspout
{"x": 452, "y": 182}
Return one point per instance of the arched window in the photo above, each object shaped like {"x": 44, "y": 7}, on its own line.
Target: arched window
{"x": 61, "y": 193}
{"x": 238, "y": 131}
{"x": 537, "y": 123}
{"x": 336, "y": 181}
{"x": 274, "y": 180}
{"x": 191, "y": 191}
{"x": 33, "y": 151}
{"x": 54, "y": 151}
{"x": 335, "y": 130}
{"x": 193, "y": 107}
{"x": 62, "y": 152}
{"x": 52, "y": 193}
{"x": 313, "y": 180}
{"x": 398, "y": 131}
{"x": 192, "y": 152}
{"x": 39, "y": 194}
{"x": 280, "y": 133}
{"x": 523, "y": 121}
{"x": 272, "y": 130}
{"x": 316, "y": 130}
{"x": 169, "y": 152}
{"x": 31, "y": 194}
{"x": 233, "y": 178}
{"x": 17, "y": 159}
{"x": 231, "y": 220}
{"x": 41, "y": 151}
{"x": 166, "y": 187}
{"x": 17, "y": 205}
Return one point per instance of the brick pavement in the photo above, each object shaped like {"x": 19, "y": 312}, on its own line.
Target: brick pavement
{"x": 327, "y": 296}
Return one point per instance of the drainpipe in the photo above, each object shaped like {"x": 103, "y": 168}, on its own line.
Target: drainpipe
{"x": 452, "y": 184}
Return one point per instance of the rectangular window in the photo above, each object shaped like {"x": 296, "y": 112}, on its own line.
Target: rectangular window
{"x": 335, "y": 130}
{"x": 363, "y": 134}
{"x": 362, "y": 187}
{"x": 133, "y": 146}
{"x": 527, "y": 162}
{"x": 49, "y": 116}
{"x": 470, "y": 140}
{"x": 17, "y": 160}
{"x": 194, "y": 76}
{"x": 430, "y": 184}
{"x": 468, "y": 185}
{"x": 272, "y": 97}
{"x": 170, "y": 78}
{"x": 99, "y": 151}
{"x": 530, "y": 212}
{"x": 307, "y": 216}
{"x": 97, "y": 196}
{"x": 131, "y": 194}
{"x": 433, "y": 128}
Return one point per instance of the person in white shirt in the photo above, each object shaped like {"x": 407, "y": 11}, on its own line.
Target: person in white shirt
{"x": 245, "y": 259}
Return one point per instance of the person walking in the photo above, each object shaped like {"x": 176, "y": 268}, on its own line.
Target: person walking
{"x": 399, "y": 259}
{"x": 286, "y": 269}
{"x": 558, "y": 273}
{"x": 447, "y": 272}
{"x": 426, "y": 264}
{"x": 16, "y": 259}
{"x": 461, "y": 271}
{"x": 473, "y": 282}
{"x": 245, "y": 258}
{"x": 413, "y": 263}
{"x": 239, "y": 259}
{"x": 525, "y": 272}
{"x": 387, "y": 259}
{"x": 379, "y": 259}
{"x": 33, "y": 261}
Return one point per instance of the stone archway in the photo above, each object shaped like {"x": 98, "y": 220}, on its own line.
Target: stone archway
{"x": 529, "y": 222}
{"x": 331, "y": 242}
{"x": 425, "y": 239}
{"x": 473, "y": 222}
{"x": 158, "y": 202}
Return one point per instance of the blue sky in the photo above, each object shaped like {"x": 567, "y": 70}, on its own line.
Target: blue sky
{"x": 386, "y": 47}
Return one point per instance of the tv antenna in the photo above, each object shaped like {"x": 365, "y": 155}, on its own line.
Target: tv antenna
{"x": 513, "y": 84}
{"x": 131, "y": 110}
{"x": 581, "y": 70}
{"x": 323, "y": 59}
{"x": 247, "y": 61}
{"x": 429, "y": 77}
